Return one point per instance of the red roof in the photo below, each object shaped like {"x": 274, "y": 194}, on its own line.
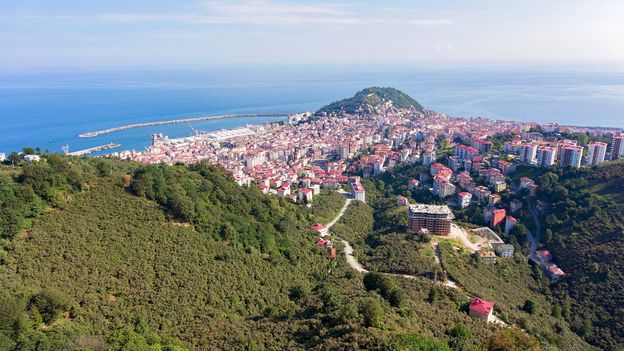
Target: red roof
{"x": 318, "y": 227}
{"x": 481, "y": 306}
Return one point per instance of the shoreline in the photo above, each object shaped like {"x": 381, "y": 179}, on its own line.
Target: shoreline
{"x": 95, "y": 133}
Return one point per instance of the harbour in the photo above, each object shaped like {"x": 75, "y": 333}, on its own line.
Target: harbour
{"x": 174, "y": 121}
{"x": 93, "y": 149}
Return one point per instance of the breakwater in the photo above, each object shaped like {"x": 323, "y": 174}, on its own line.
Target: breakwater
{"x": 173, "y": 121}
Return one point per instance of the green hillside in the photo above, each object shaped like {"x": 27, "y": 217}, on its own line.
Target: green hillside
{"x": 112, "y": 255}
{"x": 584, "y": 227}
{"x": 367, "y": 100}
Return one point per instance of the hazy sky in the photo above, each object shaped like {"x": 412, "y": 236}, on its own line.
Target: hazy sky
{"x": 130, "y": 32}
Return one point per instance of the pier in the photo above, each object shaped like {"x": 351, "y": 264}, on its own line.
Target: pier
{"x": 94, "y": 149}
{"x": 173, "y": 121}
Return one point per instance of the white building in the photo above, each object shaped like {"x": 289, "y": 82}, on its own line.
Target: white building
{"x": 528, "y": 153}
{"x": 571, "y": 156}
{"x": 546, "y": 156}
{"x": 2, "y": 157}
{"x": 617, "y": 150}
{"x": 596, "y": 153}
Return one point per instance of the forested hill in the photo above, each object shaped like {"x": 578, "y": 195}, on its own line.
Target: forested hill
{"x": 106, "y": 255}
{"x": 584, "y": 226}
{"x": 367, "y": 100}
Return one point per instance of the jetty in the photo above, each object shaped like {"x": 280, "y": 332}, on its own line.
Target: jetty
{"x": 93, "y": 149}
{"x": 173, "y": 121}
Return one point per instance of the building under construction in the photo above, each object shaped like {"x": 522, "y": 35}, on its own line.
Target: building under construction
{"x": 431, "y": 218}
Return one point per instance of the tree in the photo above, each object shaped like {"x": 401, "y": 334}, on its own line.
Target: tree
{"x": 50, "y": 303}
{"x": 460, "y": 334}
{"x": 372, "y": 312}
{"x": 529, "y": 306}
{"x": 28, "y": 150}
{"x": 511, "y": 339}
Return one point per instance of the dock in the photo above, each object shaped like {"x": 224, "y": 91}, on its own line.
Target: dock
{"x": 94, "y": 149}
{"x": 173, "y": 121}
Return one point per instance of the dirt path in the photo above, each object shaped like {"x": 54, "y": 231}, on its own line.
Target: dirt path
{"x": 357, "y": 266}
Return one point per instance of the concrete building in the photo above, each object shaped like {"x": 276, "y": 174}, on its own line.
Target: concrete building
{"x": 463, "y": 199}
{"x": 528, "y": 153}
{"x": 510, "y": 222}
{"x": 487, "y": 256}
{"x": 305, "y": 195}
{"x": 596, "y": 153}
{"x": 435, "y": 219}
{"x": 617, "y": 148}
{"x": 442, "y": 188}
{"x": 357, "y": 190}
{"x": 2, "y": 157}
{"x": 546, "y": 156}
{"x": 571, "y": 156}
{"x": 505, "y": 250}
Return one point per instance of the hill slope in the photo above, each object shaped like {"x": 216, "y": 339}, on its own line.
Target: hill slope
{"x": 584, "y": 226}
{"x": 367, "y": 100}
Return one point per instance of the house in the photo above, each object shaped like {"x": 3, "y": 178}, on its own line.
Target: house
{"x": 543, "y": 256}
{"x": 505, "y": 250}
{"x": 317, "y": 227}
{"x": 510, "y": 222}
{"x": 498, "y": 216}
{"x": 401, "y": 201}
{"x": 515, "y": 205}
{"x": 413, "y": 184}
{"x": 305, "y": 195}
{"x": 32, "y": 158}
{"x": 481, "y": 309}
{"x": 494, "y": 199}
{"x": 464, "y": 199}
{"x": 487, "y": 256}
{"x": 357, "y": 190}
{"x": 553, "y": 271}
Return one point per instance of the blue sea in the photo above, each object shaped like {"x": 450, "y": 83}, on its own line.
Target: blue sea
{"x": 49, "y": 108}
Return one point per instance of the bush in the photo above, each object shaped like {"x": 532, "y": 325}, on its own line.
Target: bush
{"x": 372, "y": 312}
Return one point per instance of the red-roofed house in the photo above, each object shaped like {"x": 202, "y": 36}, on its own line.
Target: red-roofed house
{"x": 553, "y": 271}
{"x": 481, "y": 309}
{"x": 305, "y": 195}
{"x": 317, "y": 227}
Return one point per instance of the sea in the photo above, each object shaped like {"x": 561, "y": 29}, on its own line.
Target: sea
{"x": 48, "y": 108}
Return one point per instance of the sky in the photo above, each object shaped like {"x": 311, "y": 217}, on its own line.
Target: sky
{"x": 77, "y": 33}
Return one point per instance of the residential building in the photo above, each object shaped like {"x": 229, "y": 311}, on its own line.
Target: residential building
{"x": 498, "y": 216}
{"x": 481, "y": 309}
{"x": 617, "y": 148}
{"x": 505, "y": 250}
{"x": 510, "y": 222}
{"x": 553, "y": 271}
{"x": 435, "y": 219}
{"x": 546, "y": 156}
{"x": 305, "y": 195}
{"x": 413, "y": 184}
{"x": 487, "y": 256}
{"x": 463, "y": 199}
{"x": 515, "y": 205}
{"x": 528, "y": 153}
{"x": 401, "y": 201}
{"x": 357, "y": 191}
{"x": 571, "y": 156}
{"x": 596, "y": 153}
{"x": 2, "y": 157}
{"x": 442, "y": 188}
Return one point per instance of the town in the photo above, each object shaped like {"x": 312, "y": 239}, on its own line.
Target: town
{"x": 469, "y": 160}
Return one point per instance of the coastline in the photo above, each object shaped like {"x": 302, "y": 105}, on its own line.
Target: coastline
{"x": 174, "y": 121}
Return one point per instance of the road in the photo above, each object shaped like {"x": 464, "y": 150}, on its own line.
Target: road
{"x": 357, "y": 266}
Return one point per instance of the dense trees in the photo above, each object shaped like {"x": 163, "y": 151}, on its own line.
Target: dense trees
{"x": 373, "y": 97}
{"x": 583, "y": 225}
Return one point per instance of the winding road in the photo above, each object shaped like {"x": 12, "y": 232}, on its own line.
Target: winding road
{"x": 357, "y": 266}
